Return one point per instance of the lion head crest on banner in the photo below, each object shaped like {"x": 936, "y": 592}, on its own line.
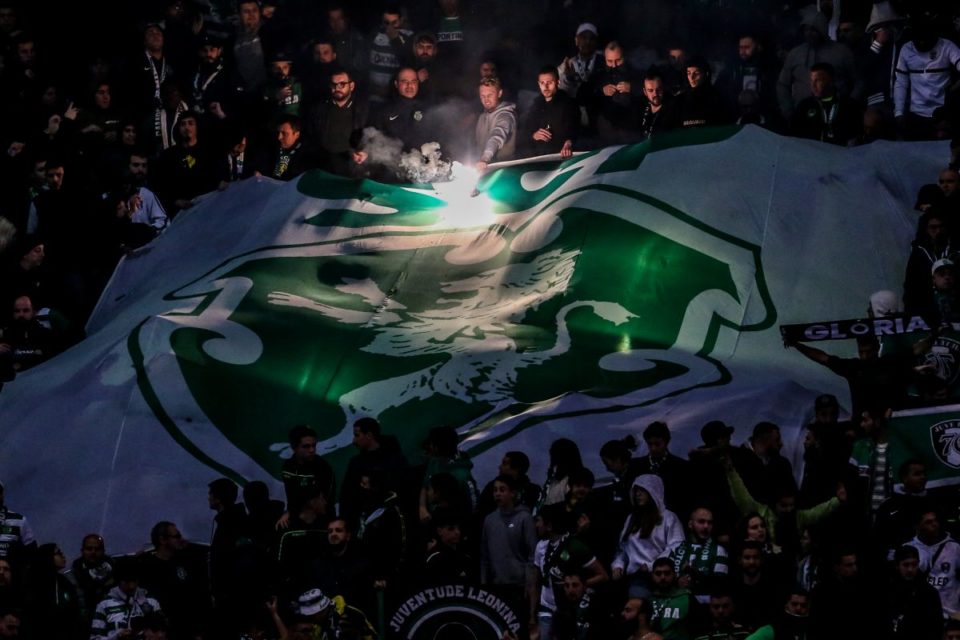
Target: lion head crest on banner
{"x": 945, "y": 437}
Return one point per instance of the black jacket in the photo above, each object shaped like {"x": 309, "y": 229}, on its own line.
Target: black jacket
{"x": 561, "y": 116}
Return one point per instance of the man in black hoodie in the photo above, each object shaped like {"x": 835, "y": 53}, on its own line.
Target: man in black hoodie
{"x": 701, "y": 105}
{"x": 912, "y": 609}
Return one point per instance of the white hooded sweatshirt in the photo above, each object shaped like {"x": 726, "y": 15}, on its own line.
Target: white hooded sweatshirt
{"x": 666, "y": 536}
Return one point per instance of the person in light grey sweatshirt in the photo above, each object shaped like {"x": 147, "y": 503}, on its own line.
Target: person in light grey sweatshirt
{"x": 496, "y": 134}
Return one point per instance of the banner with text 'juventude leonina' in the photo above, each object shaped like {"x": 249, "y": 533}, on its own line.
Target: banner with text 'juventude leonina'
{"x": 580, "y": 299}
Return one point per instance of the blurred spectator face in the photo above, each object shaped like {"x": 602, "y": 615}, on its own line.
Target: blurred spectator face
{"x": 391, "y": 23}
{"x": 23, "y": 309}
{"x": 238, "y": 149}
{"x": 548, "y": 85}
{"x": 188, "y": 130}
{"x": 757, "y": 529}
{"x": 40, "y": 171}
{"x": 49, "y": 97}
{"x": 33, "y": 258}
{"x": 449, "y": 535}
{"x": 153, "y": 39}
{"x": 138, "y": 167}
{"x": 337, "y": 21}
{"x": 129, "y": 135}
{"x": 798, "y": 605}
{"x": 721, "y": 609}
{"x": 631, "y": 610}
{"x": 280, "y": 69}
{"x": 9, "y": 626}
{"x": 812, "y": 36}
{"x": 656, "y": 446}
{"x": 503, "y": 496}
{"x": 663, "y": 578}
{"x": 751, "y": 560}
{"x": 407, "y": 83}
{"x": 872, "y": 123}
{"x": 653, "y": 90}
{"x": 951, "y": 634}
{"x": 490, "y": 97}
{"x": 821, "y": 84}
{"x": 701, "y": 524}
{"x": 488, "y": 70}
{"x": 943, "y": 279}
{"x": 613, "y": 58}
{"x": 425, "y": 50}
{"x": 641, "y": 497}
{"x": 59, "y": 559}
{"x": 172, "y": 539}
{"x": 696, "y": 77}
{"x": 928, "y": 527}
{"x": 210, "y": 53}
{"x": 948, "y": 181}
{"x": 306, "y": 449}
{"x": 250, "y": 16}
{"x": 848, "y": 33}
{"x": 154, "y": 634}
{"x": 341, "y": 87}
{"x": 337, "y": 533}
{"x": 324, "y": 53}
{"x": 449, "y": 8}
{"x": 102, "y": 97}
{"x": 935, "y": 229}
{"x": 170, "y": 96}
{"x": 915, "y": 479}
{"x": 8, "y": 19}
{"x": 908, "y": 569}
{"x": 92, "y": 550}
{"x": 677, "y": 58}
{"x": 573, "y": 588}
{"x": 586, "y": 43}
{"x": 25, "y": 53}
{"x": 747, "y": 47}
{"x": 6, "y": 574}
{"x": 55, "y": 178}
{"x": 846, "y": 567}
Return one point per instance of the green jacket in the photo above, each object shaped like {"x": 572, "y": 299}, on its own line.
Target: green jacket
{"x": 746, "y": 503}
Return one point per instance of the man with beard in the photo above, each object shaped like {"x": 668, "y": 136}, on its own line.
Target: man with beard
{"x": 318, "y": 66}
{"x": 335, "y": 124}
{"x": 674, "y": 607}
{"x": 925, "y": 70}
{"x": 211, "y": 91}
{"x": 24, "y": 342}
{"x": 752, "y": 72}
{"x": 790, "y": 624}
{"x": 343, "y": 568}
{"x": 553, "y": 120}
{"x": 92, "y": 573}
{"x": 139, "y": 206}
{"x": 657, "y": 115}
{"x": 496, "y": 131}
{"x": 699, "y": 558}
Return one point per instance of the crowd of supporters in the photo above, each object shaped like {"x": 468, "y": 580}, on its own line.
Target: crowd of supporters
{"x": 107, "y": 142}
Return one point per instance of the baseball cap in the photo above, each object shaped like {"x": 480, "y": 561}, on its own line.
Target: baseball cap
{"x": 313, "y": 602}
{"x": 940, "y": 264}
{"x": 713, "y": 431}
{"x": 587, "y": 26}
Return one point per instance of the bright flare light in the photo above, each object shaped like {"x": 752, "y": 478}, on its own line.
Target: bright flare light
{"x": 466, "y": 207}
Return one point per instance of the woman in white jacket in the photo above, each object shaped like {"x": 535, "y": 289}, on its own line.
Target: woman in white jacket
{"x": 650, "y": 532}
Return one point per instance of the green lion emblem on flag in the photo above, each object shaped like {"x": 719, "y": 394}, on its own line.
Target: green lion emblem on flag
{"x": 557, "y": 291}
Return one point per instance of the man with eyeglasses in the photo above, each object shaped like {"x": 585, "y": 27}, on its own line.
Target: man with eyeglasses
{"x": 390, "y": 49}
{"x": 175, "y": 573}
{"x": 334, "y": 123}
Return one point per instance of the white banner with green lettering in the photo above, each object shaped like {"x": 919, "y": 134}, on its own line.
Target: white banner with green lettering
{"x": 579, "y": 299}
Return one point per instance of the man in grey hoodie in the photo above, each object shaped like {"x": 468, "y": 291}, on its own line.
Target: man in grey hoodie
{"x": 496, "y": 133}
{"x": 794, "y": 82}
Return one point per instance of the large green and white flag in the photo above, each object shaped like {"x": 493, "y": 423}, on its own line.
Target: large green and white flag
{"x": 582, "y": 299}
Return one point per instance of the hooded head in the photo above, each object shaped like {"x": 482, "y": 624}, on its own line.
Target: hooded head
{"x": 815, "y": 28}
{"x": 653, "y": 485}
